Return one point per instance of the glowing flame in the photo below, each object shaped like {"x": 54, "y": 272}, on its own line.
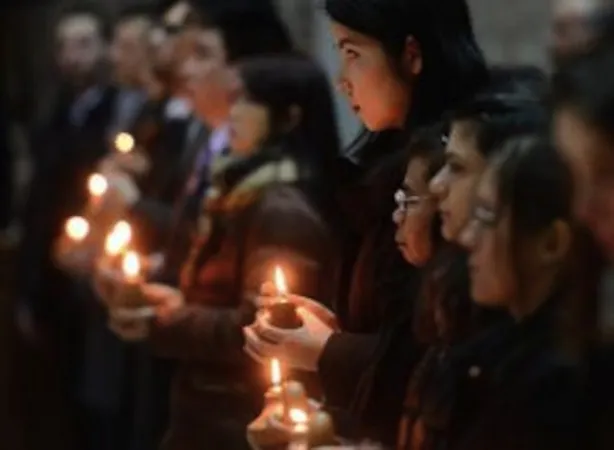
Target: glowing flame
{"x": 124, "y": 143}
{"x": 123, "y": 230}
{"x": 298, "y": 416}
{"x": 280, "y": 281}
{"x": 97, "y": 185}
{"x": 131, "y": 265}
{"x": 77, "y": 228}
{"x": 275, "y": 372}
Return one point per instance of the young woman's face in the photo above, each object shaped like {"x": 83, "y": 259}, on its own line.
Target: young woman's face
{"x": 455, "y": 183}
{"x": 249, "y": 125}
{"x": 374, "y": 89}
{"x": 493, "y": 281}
{"x": 415, "y": 213}
{"x": 590, "y": 156}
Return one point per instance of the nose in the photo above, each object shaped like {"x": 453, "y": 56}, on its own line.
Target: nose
{"x": 438, "y": 185}
{"x": 187, "y": 69}
{"x": 398, "y": 216}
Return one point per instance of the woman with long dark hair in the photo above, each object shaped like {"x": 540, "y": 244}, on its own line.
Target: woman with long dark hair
{"x": 521, "y": 238}
{"x": 266, "y": 207}
{"x": 403, "y": 64}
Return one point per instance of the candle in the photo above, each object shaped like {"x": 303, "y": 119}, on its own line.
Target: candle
{"x": 124, "y": 143}
{"x": 97, "y": 185}
{"x": 129, "y": 296}
{"x": 116, "y": 243}
{"x": 282, "y": 313}
{"x": 77, "y": 229}
{"x": 321, "y": 430}
{"x": 299, "y": 436}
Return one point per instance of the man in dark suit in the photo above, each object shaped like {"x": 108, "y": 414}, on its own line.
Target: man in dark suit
{"x": 67, "y": 148}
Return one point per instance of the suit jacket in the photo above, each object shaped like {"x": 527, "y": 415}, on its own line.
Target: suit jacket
{"x": 68, "y": 148}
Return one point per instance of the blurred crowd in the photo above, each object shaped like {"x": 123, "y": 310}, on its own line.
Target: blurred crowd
{"x": 201, "y": 264}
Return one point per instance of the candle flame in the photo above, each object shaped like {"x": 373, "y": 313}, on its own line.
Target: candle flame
{"x": 77, "y": 228}
{"x": 275, "y": 372}
{"x": 97, "y": 185}
{"x": 124, "y": 142}
{"x": 298, "y": 416}
{"x": 131, "y": 265}
{"x": 123, "y": 230}
{"x": 280, "y": 281}
{"x": 118, "y": 239}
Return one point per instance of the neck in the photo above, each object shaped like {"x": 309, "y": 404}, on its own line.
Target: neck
{"x": 537, "y": 293}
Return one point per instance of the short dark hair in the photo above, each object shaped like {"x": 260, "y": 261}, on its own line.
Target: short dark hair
{"x": 91, "y": 9}
{"x": 584, "y": 83}
{"x": 248, "y": 27}
{"x": 136, "y": 11}
{"x": 513, "y": 103}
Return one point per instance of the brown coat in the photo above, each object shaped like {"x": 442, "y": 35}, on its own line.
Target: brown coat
{"x": 217, "y": 389}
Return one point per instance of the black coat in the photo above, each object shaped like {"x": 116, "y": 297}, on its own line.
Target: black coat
{"x": 509, "y": 387}
{"x": 170, "y": 143}
{"x": 376, "y": 284}
{"x": 67, "y": 152}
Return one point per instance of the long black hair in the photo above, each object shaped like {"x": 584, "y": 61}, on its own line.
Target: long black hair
{"x": 453, "y": 64}
{"x": 295, "y": 83}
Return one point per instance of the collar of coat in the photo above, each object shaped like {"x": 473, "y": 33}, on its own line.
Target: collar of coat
{"x": 245, "y": 190}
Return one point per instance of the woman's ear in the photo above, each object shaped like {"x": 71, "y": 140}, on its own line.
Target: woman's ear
{"x": 412, "y": 57}
{"x": 556, "y": 242}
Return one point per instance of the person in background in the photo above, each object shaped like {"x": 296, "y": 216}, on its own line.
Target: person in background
{"x": 576, "y": 26}
{"x": 67, "y": 148}
{"x": 397, "y": 60}
{"x": 582, "y": 123}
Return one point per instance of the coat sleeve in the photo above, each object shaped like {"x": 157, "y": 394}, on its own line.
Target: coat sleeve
{"x": 153, "y": 219}
{"x": 282, "y": 228}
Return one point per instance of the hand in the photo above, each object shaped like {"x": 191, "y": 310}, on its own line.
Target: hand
{"x": 300, "y": 348}
{"x": 129, "y": 330}
{"x": 106, "y": 283}
{"x": 123, "y": 191}
{"x": 268, "y": 295}
{"x": 167, "y": 300}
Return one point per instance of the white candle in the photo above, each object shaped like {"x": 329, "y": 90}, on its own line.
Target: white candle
{"x": 299, "y": 436}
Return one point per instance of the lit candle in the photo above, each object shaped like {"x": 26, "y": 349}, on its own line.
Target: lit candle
{"x": 282, "y": 313}
{"x": 97, "y": 186}
{"x": 124, "y": 143}
{"x": 116, "y": 243}
{"x": 299, "y": 436}
{"x": 77, "y": 229}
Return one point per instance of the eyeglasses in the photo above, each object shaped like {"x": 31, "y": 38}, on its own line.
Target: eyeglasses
{"x": 406, "y": 202}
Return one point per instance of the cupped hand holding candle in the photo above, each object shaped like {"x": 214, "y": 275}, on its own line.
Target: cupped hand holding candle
{"x": 107, "y": 278}
{"x": 300, "y": 348}
{"x": 72, "y": 249}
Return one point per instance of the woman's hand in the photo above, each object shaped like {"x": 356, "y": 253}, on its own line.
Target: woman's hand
{"x": 300, "y": 348}
{"x": 167, "y": 300}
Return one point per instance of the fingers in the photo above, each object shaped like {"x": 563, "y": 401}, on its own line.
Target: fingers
{"x": 260, "y": 350}
{"x": 158, "y": 293}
